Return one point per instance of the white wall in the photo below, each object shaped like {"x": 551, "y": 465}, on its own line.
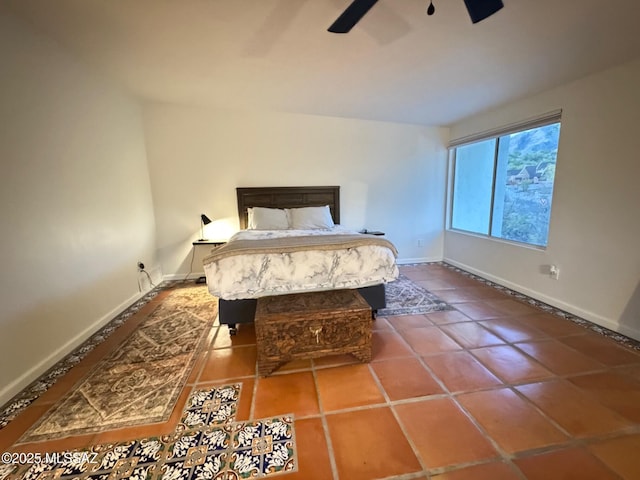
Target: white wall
{"x": 75, "y": 203}
{"x": 595, "y": 221}
{"x": 392, "y": 176}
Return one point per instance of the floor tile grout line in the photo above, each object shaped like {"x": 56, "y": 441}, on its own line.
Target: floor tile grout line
{"x": 372, "y": 406}
{"x": 452, "y": 397}
{"x": 512, "y": 385}
{"x": 224, "y": 379}
{"x": 616, "y": 337}
{"x": 406, "y": 476}
{"x": 325, "y": 425}
{"x": 256, "y": 377}
{"x": 206, "y": 351}
{"x": 516, "y": 344}
{"x": 626, "y": 431}
{"x": 485, "y": 461}
{"x": 551, "y": 419}
{"x": 559, "y": 448}
{"x": 517, "y": 300}
{"x": 506, "y": 381}
{"x": 389, "y": 404}
{"x": 572, "y": 441}
{"x": 448, "y": 394}
{"x": 505, "y": 456}
{"x": 603, "y": 369}
{"x": 432, "y": 373}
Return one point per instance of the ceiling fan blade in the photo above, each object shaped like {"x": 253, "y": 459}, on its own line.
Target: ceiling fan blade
{"x": 351, "y": 16}
{"x": 481, "y": 9}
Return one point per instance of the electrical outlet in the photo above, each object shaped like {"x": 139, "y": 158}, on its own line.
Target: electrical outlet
{"x": 554, "y": 272}
{"x": 420, "y": 242}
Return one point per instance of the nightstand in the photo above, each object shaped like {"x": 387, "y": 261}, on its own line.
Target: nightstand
{"x": 215, "y": 243}
{"x": 211, "y": 243}
{"x": 371, "y": 232}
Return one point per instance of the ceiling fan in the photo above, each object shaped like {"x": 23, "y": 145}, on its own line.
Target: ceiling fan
{"x": 478, "y": 10}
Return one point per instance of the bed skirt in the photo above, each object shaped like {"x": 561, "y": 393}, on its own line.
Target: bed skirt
{"x": 233, "y": 312}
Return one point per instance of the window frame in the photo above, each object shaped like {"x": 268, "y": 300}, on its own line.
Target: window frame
{"x": 495, "y": 134}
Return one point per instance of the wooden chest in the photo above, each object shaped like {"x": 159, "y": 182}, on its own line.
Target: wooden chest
{"x": 309, "y": 325}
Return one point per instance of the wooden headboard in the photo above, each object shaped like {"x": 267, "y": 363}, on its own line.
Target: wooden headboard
{"x": 287, "y": 197}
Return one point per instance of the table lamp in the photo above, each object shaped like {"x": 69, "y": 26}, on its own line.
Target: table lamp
{"x": 204, "y": 220}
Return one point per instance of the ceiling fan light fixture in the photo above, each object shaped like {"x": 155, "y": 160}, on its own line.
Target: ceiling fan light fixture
{"x": 351, "y": 16}
{"x": 481, "y": 9}
{"x": 478, "y": 11}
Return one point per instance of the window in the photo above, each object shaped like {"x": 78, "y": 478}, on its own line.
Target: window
{"x": 503, "y": 182}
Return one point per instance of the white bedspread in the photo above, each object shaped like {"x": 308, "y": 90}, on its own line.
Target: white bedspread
{"x": 265, "y": 274}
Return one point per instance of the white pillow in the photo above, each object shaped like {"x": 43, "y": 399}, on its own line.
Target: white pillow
{"x": 261, "y": 218}
{"x": 310, "y": 218}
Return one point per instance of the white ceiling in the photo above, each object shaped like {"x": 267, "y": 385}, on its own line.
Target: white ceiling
{"x": 397, "y": 64}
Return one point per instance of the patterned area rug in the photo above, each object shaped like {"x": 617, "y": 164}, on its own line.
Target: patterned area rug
{"x": 407, "y": 298}
{"x": 207, "y": 444}
{"x": 26, "y": 397}
{"x": 140, "y": 381}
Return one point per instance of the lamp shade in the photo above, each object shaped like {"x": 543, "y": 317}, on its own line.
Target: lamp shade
{"x": 204, "y": 220}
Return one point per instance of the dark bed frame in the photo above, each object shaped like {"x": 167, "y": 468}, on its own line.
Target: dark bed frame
{"x": 233, "y": 312}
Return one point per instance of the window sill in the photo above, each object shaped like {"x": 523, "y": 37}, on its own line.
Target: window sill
{"x": 536, "y": 248}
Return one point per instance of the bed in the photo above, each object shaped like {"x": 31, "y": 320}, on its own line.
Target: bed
{"x": 291, "y": 241}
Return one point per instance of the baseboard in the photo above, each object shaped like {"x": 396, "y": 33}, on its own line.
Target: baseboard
{"x": 183, "y": 276}
{"x": 408, "y": 261}
{"x": 628, "y": 331}
{"x": 9, "y": 391}
{"x": 554, "y": 302}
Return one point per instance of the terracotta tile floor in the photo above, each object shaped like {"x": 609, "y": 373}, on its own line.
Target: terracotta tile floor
{"x": 494, "y": 389}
